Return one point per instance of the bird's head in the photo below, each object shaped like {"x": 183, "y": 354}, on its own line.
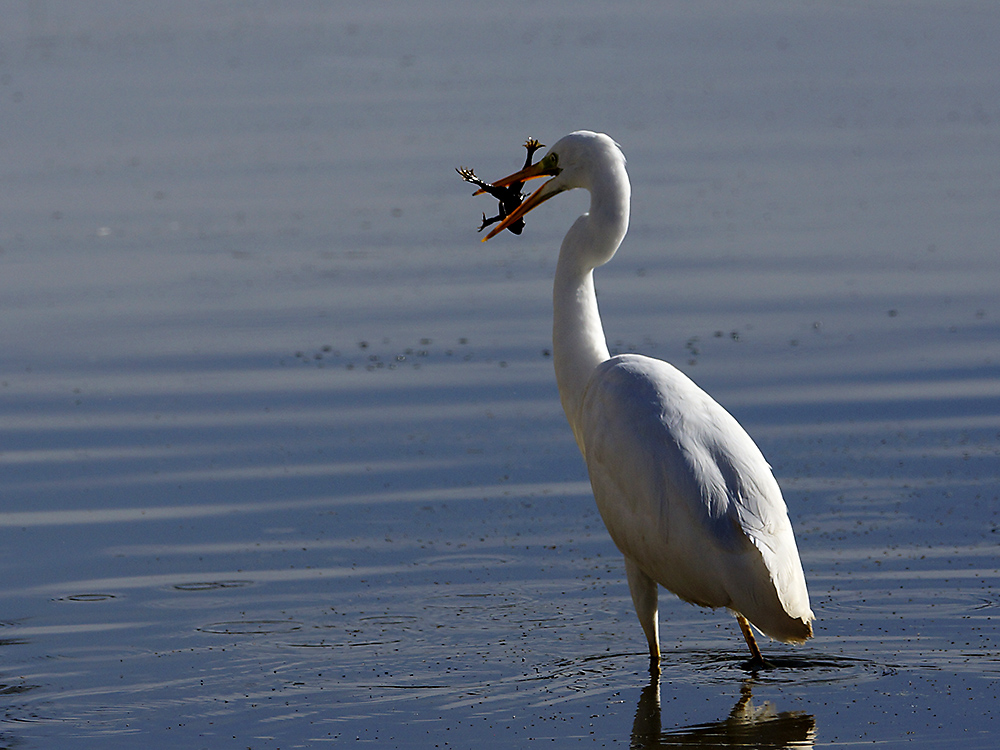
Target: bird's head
{"x": 575, "y": 161}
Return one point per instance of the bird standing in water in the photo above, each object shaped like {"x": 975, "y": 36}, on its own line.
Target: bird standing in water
{"x": 683, "y": 490}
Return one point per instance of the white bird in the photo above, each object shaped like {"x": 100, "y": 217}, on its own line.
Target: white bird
{"x": 684, "y": 491}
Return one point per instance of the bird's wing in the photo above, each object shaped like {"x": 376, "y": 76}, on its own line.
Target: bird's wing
{"x": 679, "y": 473}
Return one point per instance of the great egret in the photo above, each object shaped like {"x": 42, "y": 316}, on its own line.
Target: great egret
{"x": 683, "y": 490}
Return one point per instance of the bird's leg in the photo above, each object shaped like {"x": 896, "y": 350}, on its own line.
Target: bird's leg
{"x": 644, "y": 594}
{"x": 757, "y": 660}
{"x": 748, "y": 635}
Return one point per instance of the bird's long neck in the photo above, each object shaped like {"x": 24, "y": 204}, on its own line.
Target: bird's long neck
{"x": 578, "y": 342}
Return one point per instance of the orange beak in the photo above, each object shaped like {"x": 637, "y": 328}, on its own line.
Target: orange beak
{"x": 544, "y": 168}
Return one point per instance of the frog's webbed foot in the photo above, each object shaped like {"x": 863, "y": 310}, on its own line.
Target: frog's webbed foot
{"x": 532, "y": 146}
{"x": 470, "y": 176}
{"x": 500, "y": 193}
{"x": 487, "y": 222}
{"x": 517, "y": 227}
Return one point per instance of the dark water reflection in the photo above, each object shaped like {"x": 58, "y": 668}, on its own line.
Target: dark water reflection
{"x": 747, "y": 726}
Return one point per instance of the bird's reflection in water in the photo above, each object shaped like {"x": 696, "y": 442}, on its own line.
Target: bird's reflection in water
{"x": 747, "y": 726}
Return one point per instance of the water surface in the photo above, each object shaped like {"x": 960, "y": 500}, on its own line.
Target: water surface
{"x": 282, "y": 454}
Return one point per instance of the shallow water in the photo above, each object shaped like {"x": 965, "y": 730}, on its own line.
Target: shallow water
{"x": 282, "y": 454}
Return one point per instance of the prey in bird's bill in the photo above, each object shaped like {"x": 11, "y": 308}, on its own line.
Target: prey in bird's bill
{"x": 509, "y": 196}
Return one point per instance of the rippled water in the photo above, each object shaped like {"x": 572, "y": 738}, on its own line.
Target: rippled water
{"x": 283, "y": 460}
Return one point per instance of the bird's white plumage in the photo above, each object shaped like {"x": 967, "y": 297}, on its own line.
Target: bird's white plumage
{"x": 687, "y": 495}
{"x": 684, "y": 491}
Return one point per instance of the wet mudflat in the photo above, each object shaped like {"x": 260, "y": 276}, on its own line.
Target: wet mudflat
{"x": 282, "y": 454}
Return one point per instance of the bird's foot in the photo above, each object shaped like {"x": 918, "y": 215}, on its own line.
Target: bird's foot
{"x": 654, "y": 668}
{"x": 757, "y": 664}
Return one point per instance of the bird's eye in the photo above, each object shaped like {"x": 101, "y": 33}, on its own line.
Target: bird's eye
{"x": 551, "y": 163}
